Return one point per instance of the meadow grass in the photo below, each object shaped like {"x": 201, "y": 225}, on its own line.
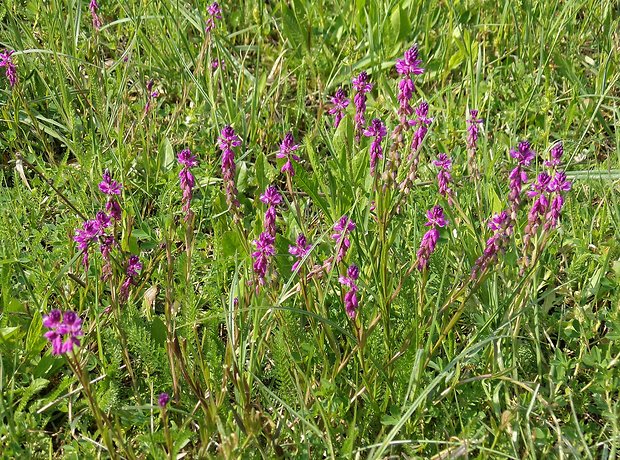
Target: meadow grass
{"x": 518, "y": 358}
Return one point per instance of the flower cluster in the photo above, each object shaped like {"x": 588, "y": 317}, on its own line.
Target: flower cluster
{"x": 300, "y": 250}
{"x": 444, "y": 163}
{"x": 524, "y": 156}
{"x": 215, "y": 12}
{"x": 6, "y": 61}
{"x": 265, "y": 244}
{"x": 112, "y": 189}
{"x": 94, "y": 7}
{"x": 408, "y": 66}
{"x": 65, "y": 329}
{"x": 271, "y": 198}
{"x": 151, "y": 95}
{"x": 227, "y": 140}
{"x": 436, "y": 220}
{"x": 422, "y": 122}
{"x": 473, "y": 129}
{"x": 163, "y": 399}
{"x": 287, "y": 147}
{"x": 340, "y": 102}
{"x": 502, "y": 225}
{"x": 362, "y": 85}
{"x": 187, "y": 179}
{"x": 90, "y": 232}
{"x": 342, "y": 228}
{"x": 350, "y": 297}
{"x": 377, "y": 130}
{"x": 132, "y": 270}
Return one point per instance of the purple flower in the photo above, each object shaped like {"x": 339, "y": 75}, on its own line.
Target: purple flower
{"x": 342, "y": 228}
{"x": 429, "y": 241}
{"x": 377, "y": 130}
{"x": 524, "y": 156}
{"x": 109, "y": 186}
{"x": 131, "y": 270}
{"x": 151, "y": 95}
{"x": 340, "y": 103}
{"x": 93, "y": 7}
{"x": 11, "y": 71}
{"x": 215, "y": 12}
{"x": 362, "y": 86}
{"x": 287, "y": 147}
{"x": 264, "y": 250}
{"x": 88, "y": 233}
{"x": 163, "y": 400}
{"x": 406, "y": 87}
{"x": 472, "y": 129}
{"x": 227, "y": 140}
{"x": 300, "y": 250}
{"x": 410, "y": 65}
{"x": 555, "y": 156}
{"x": 557, "y": 186}
{"x": 422, "y": 121}
{"x": 523, "y": 153}
{"x": 271, "y": 198}
{"x": 186, "y": 179}
{"x": 350, "y": 297}
{"x": 502, "y": 226}
{"x": 114, "y": 209}
{"x": 444, "y": 163}
{"x": 64, "y": 331}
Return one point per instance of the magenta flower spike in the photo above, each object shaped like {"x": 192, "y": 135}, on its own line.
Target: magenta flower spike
{"x": 271, "y": 198}
{"x": 422, "y": 122}
{"x": 215, "y": 12}
{"x": 6, "y": 61}
{"x": 435, "y": 220}
{"x": 94, "y": 8}
{"x": 163, "y": 399}
{"x": 518, "y": 177}
{"x": 351, "y": 302}
{"x": 287, "y": 147}
{"x": 362, "y": 85}
{"x": 555, "y": 156}
{"x": 300, "y": 250}
{"x": 226, "y": 142}
{"x": 132, "y": 269}
{"x": 342, "y": 228}
{"x": 473, "y": 130}
{"x": 502, "y": 225}
{"x": 112, "y": 189}
{"x": 65, "y": 329}
{"x": 407, "y": 67}
{"x": 186, "y": 179}
{"x": 265, "y": 249}
{"x": 444, "y": 178}
{"x": 340, "y": 102}
{"x": 376, "y": 130}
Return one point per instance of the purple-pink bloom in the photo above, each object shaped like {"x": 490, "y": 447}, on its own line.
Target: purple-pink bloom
{"x": 65, "y": 330}
{"x": 502, "y": 226}
{"x": 299, "y": 250}
{"x": 93, "y": 7}
{"x": 215, "y": 12}
{"x": 429, "y": 241}
{"x": 227, "y": 140}
{"x": 555, "y": 156}
{"x": 340, "y": 103}
{"x": 518, "y": 177}
{"x": 377, "y": 130}
{"x": 109, "y": 186}
{"x": 287, "y": 147}
{"x": 151, "y": 95}
{"x": 523, "y": 153}
{"x": 342, "y": 228}
{"x": 11, "y": 71}
{"x": 557, "y": 187}
{"x": 351, "y": 302}
{"x": 410, "y": 64}
{"x": 264, "y": 250}
{"x": 472, "y": 129}
{"x": 406, "y": 87}
{"x": 186, "y": 178}
{"x": 271, "y": 198}
{"x": 362, "y": 86}
{"x": 422, "y": 122}
{"x": 444, "y": 163}
{"x": 132, "y": 269}
{"x": 163, "y": 399}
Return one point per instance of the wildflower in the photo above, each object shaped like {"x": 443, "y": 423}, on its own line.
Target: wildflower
{"x": 264, "y": 250}
{"x": 362, "y": 86}
{"x": 218, "y": 63}
{"x": 271, "y": 198}
{"x": 111, "y": 188}
{"x": 287, "y": 147}
{"x": 502, "y": 226}
{"x": 11, "y": 71}
{"x": 377, "y": 130}
{"x": 408, "y": 66}
{"x": 539, "y": 208}
{"x": 557, "y": 186}
{"x": 131, "y": 271}
{"x": 227, "y": 140}
{"x": 90, "y": 231}
{"x": 429, "y": 241}
{"x": 444, "y": 163}
{"x": 524, "y": 156}
{"x": 163, "y": 400}
{"x": 215, "y": 12}
{"x": 93, "y": 7}
{"x": 422, "y": 122}
{"x": 340, "y": 103}
{"x": 351, "y": 302}
{"x": 186, "y": 178}
{"x": 151, "y": 95}
{"x": 555, "y": 155}
{"x": 65, "y": 330}
{"x": 105, "y": 247}
{"x": 300, "y": 250}
{"x": 472, "y": 130}
{"x": 342, "y": 228}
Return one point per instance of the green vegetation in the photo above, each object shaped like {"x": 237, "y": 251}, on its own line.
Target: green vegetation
{"x": 521, "y": 360}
